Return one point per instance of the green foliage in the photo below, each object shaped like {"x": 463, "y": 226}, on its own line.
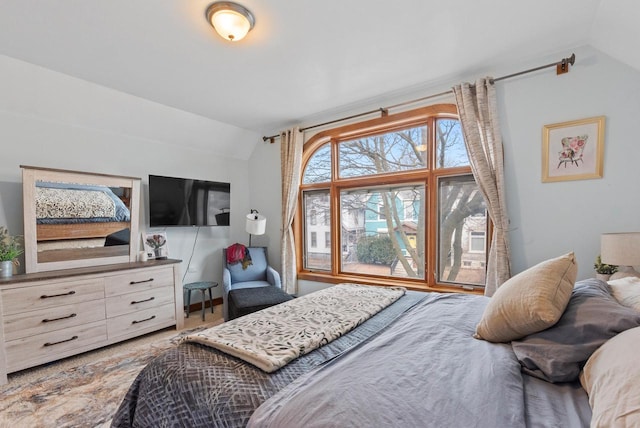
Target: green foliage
{"x": 604, "y": 268}
{"x": 10, "y": 246}
{"x": 375, "y": 250}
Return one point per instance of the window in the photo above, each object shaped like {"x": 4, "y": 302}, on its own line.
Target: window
{"x": 398, "y": 203}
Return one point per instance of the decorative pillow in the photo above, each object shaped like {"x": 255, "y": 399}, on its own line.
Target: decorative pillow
{"x": 612, "y": 380}
{"x": 627, "y": 291}
{"x": 592, "y": 317}
{"x": 530, "y": 301}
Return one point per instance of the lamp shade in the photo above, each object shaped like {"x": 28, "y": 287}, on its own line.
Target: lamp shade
{"x": 256, "y": 224}
{"x": 622, "y": 249}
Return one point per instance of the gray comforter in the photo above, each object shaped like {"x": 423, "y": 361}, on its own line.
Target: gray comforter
{"x": 414, "y": 364}
{"x": 426, "y": 370}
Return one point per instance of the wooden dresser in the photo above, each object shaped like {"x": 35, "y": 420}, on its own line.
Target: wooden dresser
{"x": 51, "y": 315}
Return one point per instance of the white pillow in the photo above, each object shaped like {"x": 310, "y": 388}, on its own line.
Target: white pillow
{"x": 627, "y": 291}
{"x": 529, "y": 302}
{"x": 612, "y": 380}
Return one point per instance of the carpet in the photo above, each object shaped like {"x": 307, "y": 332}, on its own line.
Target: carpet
{"x": 82, "y": 395}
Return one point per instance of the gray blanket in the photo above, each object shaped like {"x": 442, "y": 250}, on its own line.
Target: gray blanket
{"x": 425, "y": 370}
{"x": 193, "y": 385}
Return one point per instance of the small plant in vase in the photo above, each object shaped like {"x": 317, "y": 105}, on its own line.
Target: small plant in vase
{"x": 10, "y": 249}
{"x": 603, "y": 270}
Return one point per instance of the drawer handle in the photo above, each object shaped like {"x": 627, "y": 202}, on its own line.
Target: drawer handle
{"x": 58, "y": 319}
{"x": 44, "y": 296}
{"x": 140, "y": 282}
{"x": 62, "y": 341}
{"x": 146, "y": 319}
{"x": 135, "y": 302}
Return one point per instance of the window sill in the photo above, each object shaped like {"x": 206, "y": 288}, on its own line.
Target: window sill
{"x": 408, "y": 284}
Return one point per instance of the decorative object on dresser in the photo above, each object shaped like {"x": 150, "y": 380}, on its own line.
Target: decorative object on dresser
{"x": 75, "y": 219}
{"x": 623, "y": 250}
{"x": 155, "y": 245}
{"x": 51, "y": 315}
{"x": 9, "y": 252}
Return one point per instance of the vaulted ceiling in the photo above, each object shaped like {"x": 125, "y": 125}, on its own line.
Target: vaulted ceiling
{"x": 303, "y": 58}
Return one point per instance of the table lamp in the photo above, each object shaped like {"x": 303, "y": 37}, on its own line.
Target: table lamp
{"x": 256, "y": 224}
{"x": 623, "y": 250}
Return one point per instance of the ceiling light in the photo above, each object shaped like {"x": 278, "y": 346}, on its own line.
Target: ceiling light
{"x": 231, "y": 20}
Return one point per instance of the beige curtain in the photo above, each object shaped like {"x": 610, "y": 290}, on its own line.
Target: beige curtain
{"x": 291, "y": 160}
{"x": 480, "y": 126}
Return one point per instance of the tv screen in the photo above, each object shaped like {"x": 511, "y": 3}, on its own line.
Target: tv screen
{"x": 186, "y": 202}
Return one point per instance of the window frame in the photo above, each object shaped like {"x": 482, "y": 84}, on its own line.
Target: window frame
{"x": 387, "y": 123}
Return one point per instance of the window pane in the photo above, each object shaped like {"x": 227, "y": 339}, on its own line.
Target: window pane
{"x": 377, "y": 238}
{"x": 396, "y": 151}
{"x": 319, "y": 167}
{"x": 317, "y": 253}
{"x": 450, "y": 148}
{"x": 462, "y": 218}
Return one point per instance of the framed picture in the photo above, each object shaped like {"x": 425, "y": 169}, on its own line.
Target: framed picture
{"x": 573, "y": 150}
{"x": 155, "y": 245}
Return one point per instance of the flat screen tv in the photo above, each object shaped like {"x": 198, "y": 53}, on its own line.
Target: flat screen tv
{"x": 177, "y": 201}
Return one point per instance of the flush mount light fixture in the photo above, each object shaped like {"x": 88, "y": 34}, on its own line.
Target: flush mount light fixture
{"x": 231, "y": 20}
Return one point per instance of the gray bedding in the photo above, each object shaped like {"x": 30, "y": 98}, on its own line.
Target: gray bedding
{"x": 413, "y": 364}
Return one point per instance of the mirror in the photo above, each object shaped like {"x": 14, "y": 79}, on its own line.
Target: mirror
{"x": 77, "y": 219}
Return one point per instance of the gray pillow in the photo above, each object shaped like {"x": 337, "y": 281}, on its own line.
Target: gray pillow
{"x": 592, "y": 316}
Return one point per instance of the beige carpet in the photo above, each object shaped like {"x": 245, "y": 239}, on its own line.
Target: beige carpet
{"x": 86, "y": 390}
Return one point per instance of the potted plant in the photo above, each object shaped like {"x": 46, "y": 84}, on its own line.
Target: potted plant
{"x": 10, "y": 249}
{"x": 603, "y": 270}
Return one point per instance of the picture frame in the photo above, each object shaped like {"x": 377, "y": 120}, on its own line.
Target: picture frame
{"x": 573, "y": 150}
{"x": 156, "y": 245}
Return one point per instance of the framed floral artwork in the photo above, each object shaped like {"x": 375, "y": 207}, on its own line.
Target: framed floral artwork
{"x": 573, "y": 150}
{"x": 155, "y": 245}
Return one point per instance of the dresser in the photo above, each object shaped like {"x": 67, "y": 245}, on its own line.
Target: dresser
{"x": 51, "y": 315}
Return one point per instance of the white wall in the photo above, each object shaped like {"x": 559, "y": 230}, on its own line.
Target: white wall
{"x": 49, "y": 119}
{"x": 550, "y": 219}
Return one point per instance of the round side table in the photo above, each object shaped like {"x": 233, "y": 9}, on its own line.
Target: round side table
{"x": 203, "y": 286}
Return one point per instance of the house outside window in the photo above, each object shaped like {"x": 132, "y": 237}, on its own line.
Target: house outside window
{"x": 407, "y": 175}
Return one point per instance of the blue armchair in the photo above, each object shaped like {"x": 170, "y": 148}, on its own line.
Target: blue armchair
{"x": 258, "y": 274}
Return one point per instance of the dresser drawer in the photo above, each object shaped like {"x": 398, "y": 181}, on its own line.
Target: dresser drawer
{"x": 137, "y": 280}
{"x": 37, "y": 322}
{"x": 133, "y": 324}
{"x": 51, "y": 294}
{"x": 42, "y": 348}
{"x": 127, "y": 303}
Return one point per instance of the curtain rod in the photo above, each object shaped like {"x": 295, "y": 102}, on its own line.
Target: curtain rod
{"x": 562, "y": 67}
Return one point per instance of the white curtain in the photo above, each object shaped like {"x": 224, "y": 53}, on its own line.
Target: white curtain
{"x": 480, "y": 126}
{"x": 291, "y": 142}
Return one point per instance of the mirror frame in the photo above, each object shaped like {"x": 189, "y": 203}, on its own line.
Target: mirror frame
{"x": 32, "y": 174}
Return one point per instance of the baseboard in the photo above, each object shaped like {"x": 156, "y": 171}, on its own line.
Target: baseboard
{"x": 198, "y": 305}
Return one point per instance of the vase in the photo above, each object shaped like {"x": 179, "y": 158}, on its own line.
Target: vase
{"x": 603, "y": 276}
{"x": 6, "y": 269}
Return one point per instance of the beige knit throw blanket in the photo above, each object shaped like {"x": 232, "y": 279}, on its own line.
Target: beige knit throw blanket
{"x": 272, "y": 337}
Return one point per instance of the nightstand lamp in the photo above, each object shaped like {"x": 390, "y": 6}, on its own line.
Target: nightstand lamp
{"x": 623, "y": 250}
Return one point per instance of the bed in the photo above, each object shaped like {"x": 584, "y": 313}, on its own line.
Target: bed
{"x": 420, "y": 361}
{"x": 76, "y": 211}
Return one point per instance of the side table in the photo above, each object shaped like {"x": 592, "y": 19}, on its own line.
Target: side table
{"x": 203, "y": 286}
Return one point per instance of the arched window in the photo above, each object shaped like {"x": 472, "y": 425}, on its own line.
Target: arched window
{"x": 398, "y": 204}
